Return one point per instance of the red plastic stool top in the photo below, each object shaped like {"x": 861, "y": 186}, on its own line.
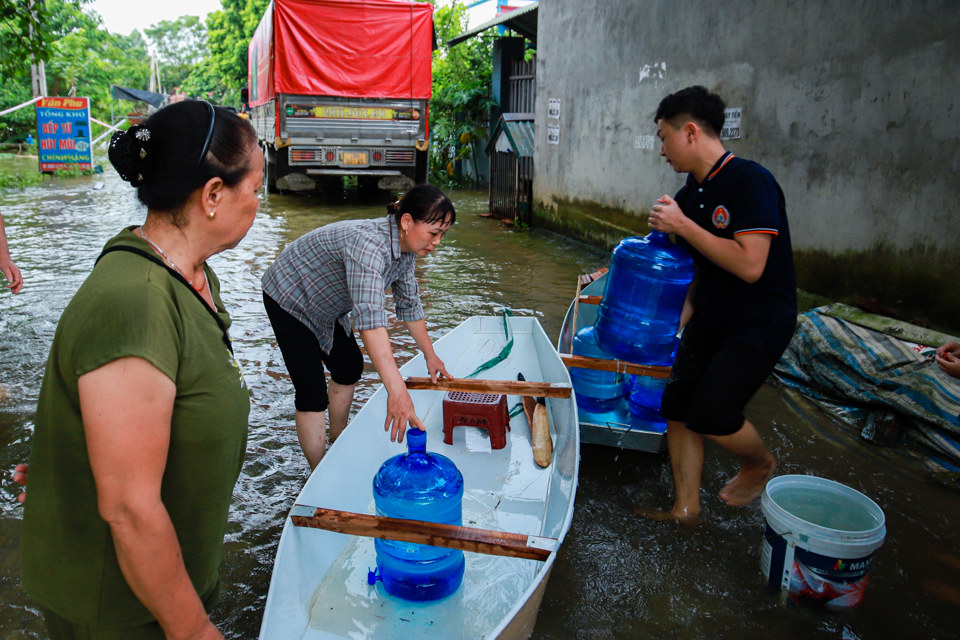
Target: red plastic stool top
{"x": 485, "y": 410}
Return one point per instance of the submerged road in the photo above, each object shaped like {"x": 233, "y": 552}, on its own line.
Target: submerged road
{"x": 617, "y": 575}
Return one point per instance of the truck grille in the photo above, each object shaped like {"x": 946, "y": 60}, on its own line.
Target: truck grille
{"x": 334, "y": 156}
{"x": 305, "y": 155}
{"x": 398, "y": 156}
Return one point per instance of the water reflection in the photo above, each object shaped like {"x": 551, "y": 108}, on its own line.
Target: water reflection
{"x": 617, "y": 576}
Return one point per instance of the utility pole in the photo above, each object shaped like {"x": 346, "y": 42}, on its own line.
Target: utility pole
{"x": 38, "y": 75}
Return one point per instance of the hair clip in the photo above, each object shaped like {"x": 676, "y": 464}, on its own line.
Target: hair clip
{"x": 143, "y": 135}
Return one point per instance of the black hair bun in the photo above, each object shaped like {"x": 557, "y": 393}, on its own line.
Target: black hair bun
{"x": 130, "y": 152}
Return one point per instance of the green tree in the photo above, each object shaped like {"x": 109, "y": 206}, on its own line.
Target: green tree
{"x": 27, "y": 28}
{"x": 460, "y": 107}
{"x": 179, "y": 46}
{"x": 74, "y": 49}
{"x": 88, "y": 59}
{"x": 15, "y": 125}
{"x": 224, "y": 71}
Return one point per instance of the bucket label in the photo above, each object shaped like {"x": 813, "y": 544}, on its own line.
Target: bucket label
{"x": 834, "y": 569}
{"x": 837, "y": 583}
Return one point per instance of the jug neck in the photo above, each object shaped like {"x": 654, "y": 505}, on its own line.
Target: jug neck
{"x": 659, "y": 238}
{"x": 416, "y": 441}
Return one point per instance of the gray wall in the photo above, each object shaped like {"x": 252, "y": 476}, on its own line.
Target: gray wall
{"x": 853, "y": 105}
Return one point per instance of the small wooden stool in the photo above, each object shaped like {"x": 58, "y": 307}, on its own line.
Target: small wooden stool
{"x": 485, "y": 410}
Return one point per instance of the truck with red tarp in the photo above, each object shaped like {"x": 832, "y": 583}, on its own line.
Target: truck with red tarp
{"x": 342, "y": 87}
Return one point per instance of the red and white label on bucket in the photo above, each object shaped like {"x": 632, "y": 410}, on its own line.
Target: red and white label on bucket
{"x": 837, "y": 583}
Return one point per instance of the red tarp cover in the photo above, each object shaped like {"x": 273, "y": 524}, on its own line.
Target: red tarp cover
{"x": 353, "y": 48}
{"x": 259, "y": 55}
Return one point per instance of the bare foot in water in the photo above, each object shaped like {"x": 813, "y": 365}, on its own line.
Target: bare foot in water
{"x": 651, "y": 513}
{"x": 748, "y": 484}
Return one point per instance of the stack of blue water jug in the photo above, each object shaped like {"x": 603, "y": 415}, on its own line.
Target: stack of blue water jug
{"x": 637, "y": 321}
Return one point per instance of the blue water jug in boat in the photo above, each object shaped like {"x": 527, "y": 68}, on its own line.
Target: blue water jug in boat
{"x": 646, "y": 392}
{"x": 639, "y": 314}
{"x": 419, "y": 485}
{"x": 646, "y": 418}
{"x": 643, "y": 400}
{"x": 645, "y": 395}
{"x": 597, "y": 391}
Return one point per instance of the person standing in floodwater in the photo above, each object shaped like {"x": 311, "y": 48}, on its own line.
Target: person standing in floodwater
{"x": 741, "y": 309}
{"x": 335, "y": 276}
{"x": 142, "y": 418}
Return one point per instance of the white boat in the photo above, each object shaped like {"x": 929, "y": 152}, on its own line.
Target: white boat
{"x": 614, "y": 428}
{"x": 319, "y": 588}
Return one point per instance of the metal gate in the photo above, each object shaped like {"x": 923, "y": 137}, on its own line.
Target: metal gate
{"x": 523, "y": 86}
{"x": 511, "y": 167}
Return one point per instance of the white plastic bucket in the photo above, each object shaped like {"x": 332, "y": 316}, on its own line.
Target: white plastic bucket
{"x": 819, "y": 540}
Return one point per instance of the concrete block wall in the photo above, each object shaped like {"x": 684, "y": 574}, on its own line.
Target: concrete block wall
{"x": 854, "y": 105}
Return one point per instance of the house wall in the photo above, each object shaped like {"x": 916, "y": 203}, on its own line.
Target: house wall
{"x": 854, "y": 105}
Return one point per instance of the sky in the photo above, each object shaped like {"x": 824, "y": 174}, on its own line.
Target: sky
{"x": 124, "y": 16}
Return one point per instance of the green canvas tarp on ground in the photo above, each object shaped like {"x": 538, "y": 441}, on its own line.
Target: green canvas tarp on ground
{"x": 857, "y": 365}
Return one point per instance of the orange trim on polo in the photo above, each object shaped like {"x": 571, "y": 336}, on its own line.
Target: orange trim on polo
{"x": 722, "y": 165}
{"x": 751, "y": 231}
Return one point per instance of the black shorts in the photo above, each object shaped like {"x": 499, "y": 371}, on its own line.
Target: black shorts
{"x": 304, "y": 359}
{"x": 712, "y": 381}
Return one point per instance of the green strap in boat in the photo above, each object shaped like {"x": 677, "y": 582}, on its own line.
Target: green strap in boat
{"x": 517, "y": 409}
{"x": 504, "y": 353}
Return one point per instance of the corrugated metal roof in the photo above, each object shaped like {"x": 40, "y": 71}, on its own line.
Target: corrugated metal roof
{"x": 522, "y": 20}
{"x": 518, "y": 129}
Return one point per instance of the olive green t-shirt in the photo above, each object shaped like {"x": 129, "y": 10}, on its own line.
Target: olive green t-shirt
{"x": 132, "y": 306}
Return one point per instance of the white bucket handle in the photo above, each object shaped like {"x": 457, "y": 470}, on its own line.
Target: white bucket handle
{"x": 777, "y": 535}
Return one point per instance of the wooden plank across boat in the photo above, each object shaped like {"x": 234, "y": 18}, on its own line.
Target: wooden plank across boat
{"x": 515, "y": 513}
{"x": 613, "y": 428}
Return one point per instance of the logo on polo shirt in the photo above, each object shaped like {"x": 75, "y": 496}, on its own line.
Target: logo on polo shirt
{"x": 721, "y": 217}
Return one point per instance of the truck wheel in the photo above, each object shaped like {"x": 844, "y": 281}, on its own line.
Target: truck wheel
{"x": 269, "y": 170}
{"x": 422, "y": 169}
{"x": 367, "y": 183}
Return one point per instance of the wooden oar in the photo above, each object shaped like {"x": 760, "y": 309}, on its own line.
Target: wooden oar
{"x": 498, "y": 543}
{"x": 539, "y": 421}
{"x": 540, "y": 435}
{"x": 509, "y": 387}
{"x": 620, "y": 366}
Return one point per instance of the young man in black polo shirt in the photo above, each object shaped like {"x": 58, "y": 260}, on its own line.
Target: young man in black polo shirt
{"x": 741, "y": 310}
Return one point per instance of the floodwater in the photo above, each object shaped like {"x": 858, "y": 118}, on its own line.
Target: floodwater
{"x": 617, "y": 575}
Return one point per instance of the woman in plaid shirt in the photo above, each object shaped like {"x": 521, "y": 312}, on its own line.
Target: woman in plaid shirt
{"x": 335, "y": 276}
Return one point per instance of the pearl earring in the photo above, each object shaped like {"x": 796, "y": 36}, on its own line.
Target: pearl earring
{"x": 211, "y": 214}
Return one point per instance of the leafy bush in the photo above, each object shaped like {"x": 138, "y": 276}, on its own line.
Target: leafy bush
{"x": 460, "y": 107}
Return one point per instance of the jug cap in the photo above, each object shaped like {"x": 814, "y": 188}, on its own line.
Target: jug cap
{"x": 416, "y": 440}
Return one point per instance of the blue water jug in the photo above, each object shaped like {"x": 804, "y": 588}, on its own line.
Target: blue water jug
{"x": 645, "y": 392}
{"x": 646, "y": 418}
{"x": 597, "y": 391}
{"x": 639, "y": 314}
{"x": 418, "y": 485}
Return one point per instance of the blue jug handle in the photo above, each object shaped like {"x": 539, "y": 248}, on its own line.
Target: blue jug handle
{"x": 373, "y": 576}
